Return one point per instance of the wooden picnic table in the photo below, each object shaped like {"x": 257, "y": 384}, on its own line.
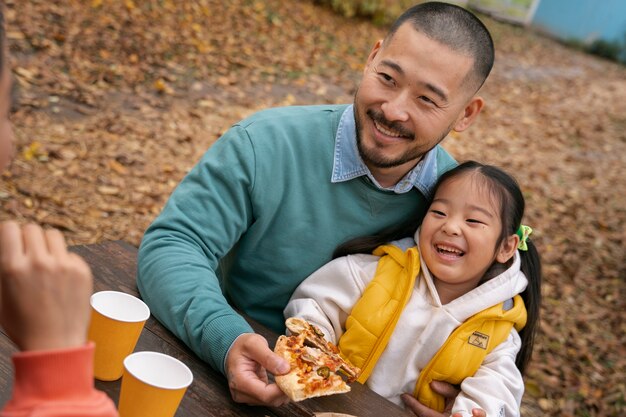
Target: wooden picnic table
{"x": 114, "y": 265}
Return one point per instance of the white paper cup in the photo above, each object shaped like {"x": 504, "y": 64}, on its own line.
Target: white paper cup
{"x": 117, "y": 319}
{"x": 153, "y": 385}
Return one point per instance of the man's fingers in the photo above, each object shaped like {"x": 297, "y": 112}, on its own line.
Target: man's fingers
{"x": 253, "y": 391}
{"x": 260, "y": 352}
{"x": 477, "y": 412}
{"x": 410, "y": 401}
{"x": 416, "y": 407}
{"x": 445, "y": 389}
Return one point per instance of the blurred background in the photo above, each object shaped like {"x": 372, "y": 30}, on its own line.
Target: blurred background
{"x": 115, "y": 100}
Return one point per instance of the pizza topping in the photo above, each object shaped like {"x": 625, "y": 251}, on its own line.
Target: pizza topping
{"x": 314, "y": 337}
{"x": 324, "y": 372}
{"x": 311, "y": 355}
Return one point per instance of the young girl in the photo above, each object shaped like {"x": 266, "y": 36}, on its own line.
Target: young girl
{"x": 461, "y": 306}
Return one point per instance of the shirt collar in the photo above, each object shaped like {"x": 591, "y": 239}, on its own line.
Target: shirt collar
{"x": 347, "y": 163}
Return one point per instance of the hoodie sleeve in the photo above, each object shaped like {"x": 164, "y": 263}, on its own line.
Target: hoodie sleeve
{"x": 498, "y": 386}
{"x": 327, "y": 296}
{"x": 56, "y": 383}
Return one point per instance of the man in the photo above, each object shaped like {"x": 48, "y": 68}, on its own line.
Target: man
{"x": 273, "y": 197}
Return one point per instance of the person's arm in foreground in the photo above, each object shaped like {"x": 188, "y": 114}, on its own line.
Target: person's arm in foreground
{"x": 178, "y": 259}
{"x": 44, "y": 309}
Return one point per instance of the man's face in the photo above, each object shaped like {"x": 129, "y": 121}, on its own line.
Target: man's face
{"x": 6, "y": 129}
{"x": 412, "y": 94}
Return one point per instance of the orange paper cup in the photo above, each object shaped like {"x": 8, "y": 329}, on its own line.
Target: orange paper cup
{"x": 117, "y": 319}
{"x": 153, "y": 385}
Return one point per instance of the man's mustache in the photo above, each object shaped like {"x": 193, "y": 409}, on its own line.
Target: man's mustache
{"x": 379, "y": 118}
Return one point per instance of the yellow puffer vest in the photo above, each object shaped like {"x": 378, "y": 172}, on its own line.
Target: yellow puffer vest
{"x": 374, "y": 317}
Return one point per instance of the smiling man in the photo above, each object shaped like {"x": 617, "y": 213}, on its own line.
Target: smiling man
{"x": 276, "y": 194}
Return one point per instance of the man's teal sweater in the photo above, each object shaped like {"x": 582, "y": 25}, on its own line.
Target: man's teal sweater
{"x": 254, "y": 218}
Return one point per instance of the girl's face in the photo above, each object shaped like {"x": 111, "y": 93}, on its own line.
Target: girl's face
{"x": 458, "y": 236}
{"x": 6, "y": 129}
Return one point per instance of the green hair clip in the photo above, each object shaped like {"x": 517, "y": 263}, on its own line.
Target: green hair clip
{"x": 523, "y": 232}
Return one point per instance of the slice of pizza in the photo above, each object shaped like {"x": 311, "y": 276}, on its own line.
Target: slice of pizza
{"x": 315, "y": 363}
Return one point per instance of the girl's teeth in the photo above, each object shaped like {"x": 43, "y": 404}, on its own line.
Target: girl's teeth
{"x": 449, "y": 249}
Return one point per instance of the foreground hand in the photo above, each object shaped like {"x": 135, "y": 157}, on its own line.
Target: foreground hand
{"x": 442, "y": 388}
{"x": 44, "y": 289}
{"x": 247, "y": 364}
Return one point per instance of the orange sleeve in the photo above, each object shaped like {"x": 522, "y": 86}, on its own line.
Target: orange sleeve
{"x": 57, "y": 383}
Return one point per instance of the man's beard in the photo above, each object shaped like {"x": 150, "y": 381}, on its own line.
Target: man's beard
{"x": 372, "y": 158}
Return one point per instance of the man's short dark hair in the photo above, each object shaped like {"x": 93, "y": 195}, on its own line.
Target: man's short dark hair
{"x": 456, "y": 28}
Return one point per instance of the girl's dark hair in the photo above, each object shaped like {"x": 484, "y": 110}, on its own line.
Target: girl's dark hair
{"x": 505, "y": 190}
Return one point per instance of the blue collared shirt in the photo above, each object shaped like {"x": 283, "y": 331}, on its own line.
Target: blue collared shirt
{"x": 348, "y": 164}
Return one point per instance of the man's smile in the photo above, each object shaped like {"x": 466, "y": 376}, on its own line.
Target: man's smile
{"x": 387, "y": 128}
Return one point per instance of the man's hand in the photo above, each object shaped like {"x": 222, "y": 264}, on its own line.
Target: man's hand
{"x": 476, "y": 412}
{"x": 442, "y": 388}
{"x": 44, "y": 289}
{"x": 247, "y": 364}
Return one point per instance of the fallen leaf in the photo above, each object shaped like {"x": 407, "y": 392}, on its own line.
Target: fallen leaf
{"x": 108, "y": 190}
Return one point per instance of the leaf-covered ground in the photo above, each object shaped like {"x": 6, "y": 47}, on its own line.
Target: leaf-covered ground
{"x": 116, "y": 100}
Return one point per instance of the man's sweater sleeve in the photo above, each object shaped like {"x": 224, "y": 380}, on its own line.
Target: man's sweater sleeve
{"x": 56, "y": 383}
{"x": 180, "y": 253}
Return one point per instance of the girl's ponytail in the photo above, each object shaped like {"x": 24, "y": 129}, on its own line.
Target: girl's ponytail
{"x": 531, "y": 267}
